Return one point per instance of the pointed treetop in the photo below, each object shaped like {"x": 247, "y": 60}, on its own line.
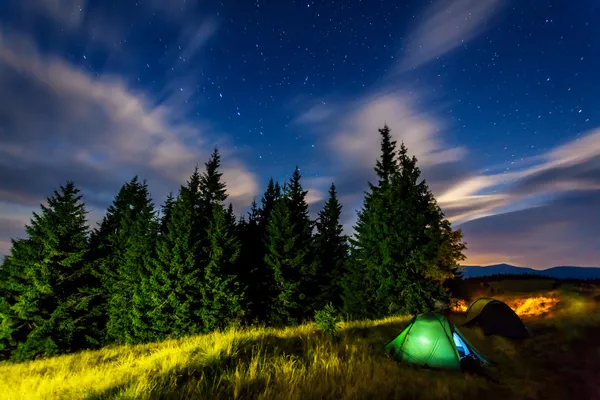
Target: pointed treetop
{"x": 408, "y": 165}
{"x": 329, "y": 216}
{"x": 192, "y": 185}
{"x": 213, "y": 188}
{"x": 386, "y": 166}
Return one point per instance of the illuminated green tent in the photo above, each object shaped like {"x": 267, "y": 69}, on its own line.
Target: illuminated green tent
{"x": 432, "y": 341}
{"x": 495, "y": 318}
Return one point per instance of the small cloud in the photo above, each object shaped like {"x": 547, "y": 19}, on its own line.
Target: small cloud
{"x": 316, "y": 114}
{"x": 314, "y": 196}
{"x": 446, "y": 25}
{"x": 357, "y": 141}
{"x": 68, "y": 13}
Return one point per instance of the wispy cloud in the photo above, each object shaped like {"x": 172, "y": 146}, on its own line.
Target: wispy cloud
{"x": 65, "y": 123}
{"x": 572, "y": 167}
{"x": 539, "y": 216}
{"x": 444, "y": 26}
{"x": 68, "y": 13}
{"x": 561, "y": 232}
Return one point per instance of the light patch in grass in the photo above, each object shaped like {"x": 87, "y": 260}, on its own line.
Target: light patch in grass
{"x": 533, "y": 306}
{"x": 459, "y": 306}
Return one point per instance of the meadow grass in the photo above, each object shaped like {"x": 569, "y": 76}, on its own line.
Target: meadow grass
{"x": 560, "y": 362}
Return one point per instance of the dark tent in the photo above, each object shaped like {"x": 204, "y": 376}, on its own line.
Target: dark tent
{"x": 495, "y": 318}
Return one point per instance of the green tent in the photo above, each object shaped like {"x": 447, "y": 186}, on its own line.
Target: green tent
{"x": 432, "y": 341}
{"x": 495, "y": 318}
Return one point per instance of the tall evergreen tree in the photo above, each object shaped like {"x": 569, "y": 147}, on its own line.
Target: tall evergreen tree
{"x": 165, "y": 213}
{"x": 222, "y": 294}
{"x": 48, "y": 314}
{"x": 368, "y": 250}
{"x": 289, "y": 256}
{"x": 268, "y": 201}
{"x": 137, "y": 263}
{"x": 230, "y": 218}
{"x": 332, "y": 252}
{"x": 251, "y": 266}
{"x": 175, "y": 285}
{"x": 13, "y": 282}
{"x": 403, "y": 248}
{"x": 212, "y": 188}
{"x": 124, "y": 245}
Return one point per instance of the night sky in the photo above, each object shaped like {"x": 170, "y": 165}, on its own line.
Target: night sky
{"x": 499, "y": 100}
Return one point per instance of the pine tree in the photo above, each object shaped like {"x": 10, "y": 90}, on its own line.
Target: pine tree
{"x": 332, "y": 252}
{"x": 289, "y": 256}
{"x": 212, "y": 188}
{"x": 48, "y": 314}
{"x": 403, "y": 249}
{"x": 165, "y": 213}
{"x": 13, "y": 282}
{"x": 175, "y": 285}
{"x": 370, "y": 245}
{"x": 432, "y": 249}
{"x": 268, "y": 201}
{"x": 230, "y": 218}
{"x": 222, "y": 295}
{"x": 123, "y": 246}
{"x": 137, "y": 261}
{"x": 222, "y": 292}
{"x": 251, "y": 266}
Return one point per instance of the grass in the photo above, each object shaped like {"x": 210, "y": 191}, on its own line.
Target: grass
{"x": 302, "y": 363}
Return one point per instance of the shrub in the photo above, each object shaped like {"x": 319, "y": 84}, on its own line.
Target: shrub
{"x": 327, "y": 320}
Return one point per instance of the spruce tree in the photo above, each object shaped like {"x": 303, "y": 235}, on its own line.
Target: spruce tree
{"x": 331, "y": 247}
{"x": 212, "y": 188}
{"x": 137, "y": 261}
{"x": 289, "y": 256}
{"x": 222, "y": 294}
{"x": 433, "y": 250}
{"x": 165, "y": 213}
{"x": 175, "y": 284}
{"x": 251, "y": 266}
{"x": 370, "y": 243}
{"x": 13, "y": 282}
{"x": 124, "y": 246}
{"x": 403, "y": 249}
{"x": 48, "y": 314}
{"x": 268, "y": 201}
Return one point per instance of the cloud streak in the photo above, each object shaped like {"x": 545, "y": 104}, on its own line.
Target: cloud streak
{"x": 64, "y": 123}
{"x": 446, "y": 25}
{"x": 571, "y": 167}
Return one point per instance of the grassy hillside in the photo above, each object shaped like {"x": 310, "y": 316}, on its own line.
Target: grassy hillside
{"x": 301, "y": 363}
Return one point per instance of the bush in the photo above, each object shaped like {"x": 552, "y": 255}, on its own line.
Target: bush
{"x": 327, "y": 320}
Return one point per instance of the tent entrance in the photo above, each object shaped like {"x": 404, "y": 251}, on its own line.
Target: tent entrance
{"x": 463, "y": 349}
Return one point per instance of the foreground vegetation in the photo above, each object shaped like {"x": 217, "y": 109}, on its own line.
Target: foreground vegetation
{"x": 561, "y": 361}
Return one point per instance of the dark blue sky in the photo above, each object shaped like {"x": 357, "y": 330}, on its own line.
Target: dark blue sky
{"x": 498, "y": 99}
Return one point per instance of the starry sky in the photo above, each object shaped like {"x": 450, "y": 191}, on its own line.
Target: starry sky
{"x": 498, "y": 99}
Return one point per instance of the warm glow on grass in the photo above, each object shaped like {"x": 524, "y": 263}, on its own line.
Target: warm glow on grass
{"x": 533, "y": 306}
{"x": 459, "y": 306}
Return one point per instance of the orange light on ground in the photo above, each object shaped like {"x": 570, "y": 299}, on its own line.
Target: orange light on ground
{"x": 459, "y": 306}
{"x": 533, "y": 306}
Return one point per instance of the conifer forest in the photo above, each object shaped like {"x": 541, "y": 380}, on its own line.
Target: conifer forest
{"x": 190, "y": 265}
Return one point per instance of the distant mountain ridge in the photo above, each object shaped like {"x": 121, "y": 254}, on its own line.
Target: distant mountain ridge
{"x": 561, "y": 272}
